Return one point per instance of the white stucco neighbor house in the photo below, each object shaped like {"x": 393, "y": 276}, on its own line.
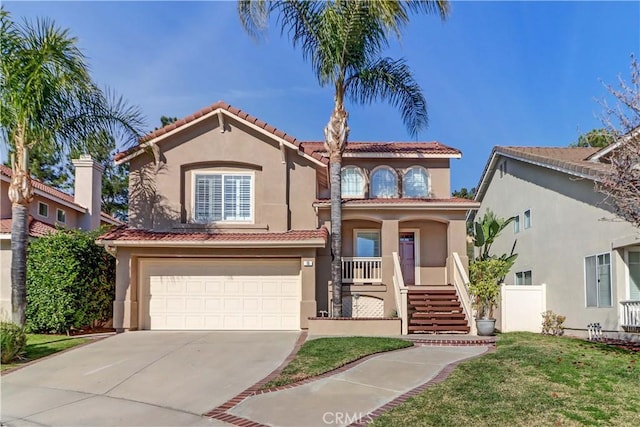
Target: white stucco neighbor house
{"x": 565, "y": 234}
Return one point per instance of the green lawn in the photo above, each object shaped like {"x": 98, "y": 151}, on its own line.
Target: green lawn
{"x": 325, "y": 354}
{"x": 532, "y": 380}
{"x": 40, "y": 345}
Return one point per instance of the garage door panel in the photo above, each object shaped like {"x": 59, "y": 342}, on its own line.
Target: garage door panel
{"x": 204, "y": 295}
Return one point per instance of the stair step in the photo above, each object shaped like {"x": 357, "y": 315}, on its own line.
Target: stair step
{"x": 453, "y": 328}
{"x": 427, "y": 297}
{"x": 417, "y": 321}
{"x": 427, "y": 290}
{"x": 421, "y": 303}
{"x": 431, "y": 315}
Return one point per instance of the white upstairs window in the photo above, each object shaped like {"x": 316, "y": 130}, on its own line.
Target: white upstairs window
{"x": 223, "y": 197}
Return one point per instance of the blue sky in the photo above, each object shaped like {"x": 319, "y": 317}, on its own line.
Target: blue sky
{"x": 495, "y": 73}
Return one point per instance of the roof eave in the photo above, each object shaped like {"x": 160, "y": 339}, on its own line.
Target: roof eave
{"x": 172, "y": 132}
{"x": 403, "y": 155}
{"x": 307, "y": 243}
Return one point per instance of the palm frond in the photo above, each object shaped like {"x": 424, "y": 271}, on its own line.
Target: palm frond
{"x": 391, "y": 81}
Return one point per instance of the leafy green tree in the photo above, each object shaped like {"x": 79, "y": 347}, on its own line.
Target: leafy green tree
{"x": 463, "y": 193}
{"x": 48, "y": 101}
{"x": 486, "y": 231}
{"x": 344, "y": 41}
{"x": 595, "y": 138}
{"x": 166, "y": 120}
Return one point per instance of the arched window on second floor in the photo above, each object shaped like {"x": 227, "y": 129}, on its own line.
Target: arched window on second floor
{"x": 352, "y": 182}
{"x": 384, "y": 183}
{"x": 416, "y": 183}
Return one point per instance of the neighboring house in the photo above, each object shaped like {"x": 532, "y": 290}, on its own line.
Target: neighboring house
{"x": 49, "y": 209}
{"x": 229, "y": 226}
{"x": 565, "y": 234}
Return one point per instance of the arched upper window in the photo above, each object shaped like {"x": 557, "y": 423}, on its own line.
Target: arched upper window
{"x": 416, "y": 183}
{"x": 352, "y": 182}
{"x": 384, "y": 183}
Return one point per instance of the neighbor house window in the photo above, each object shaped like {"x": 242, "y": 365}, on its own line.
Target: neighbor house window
{"x": 61, "y": 216}
{"x": 416, "y": 183}
{"x": 523, "y": 278}
{"x": 43, "y": 209}
{"x": 516, "y": 224}
{"x": 352, "y": 182}
{"x": 527, "y": 219}
{"x": 367, "y": 243}
{"x": 597, "y": 273}
{"x": 384, "y": 183}
{"x": 223, "y": 197}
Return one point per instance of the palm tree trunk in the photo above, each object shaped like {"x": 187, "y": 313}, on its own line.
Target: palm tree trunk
{"x": 19, "y": 236}
{"x": 20, "y": 194}
{"x": 336, "y": 134}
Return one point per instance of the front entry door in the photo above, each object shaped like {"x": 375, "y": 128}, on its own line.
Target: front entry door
{"x": 407, "y": 257}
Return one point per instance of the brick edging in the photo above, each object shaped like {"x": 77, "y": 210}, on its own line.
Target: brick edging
{"x": 57, "y": 353}
{"x": 440, "y": 377}
{"x": 344, "y": 367}
{"x": 219, "y": 412}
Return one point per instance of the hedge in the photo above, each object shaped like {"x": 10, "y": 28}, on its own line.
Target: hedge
{"x": 70, "y": 282}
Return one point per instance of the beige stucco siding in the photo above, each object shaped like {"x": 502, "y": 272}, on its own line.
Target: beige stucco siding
{"x": 71, "y": 214}
{"x": 204, "y": 148}
{"x": 568, "y": 223}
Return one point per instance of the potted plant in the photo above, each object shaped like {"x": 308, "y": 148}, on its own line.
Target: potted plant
{"x": 484, "y": 289}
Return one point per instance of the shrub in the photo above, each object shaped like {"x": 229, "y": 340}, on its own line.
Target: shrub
{"x": 13, "y": 340}
{"x": 484, "y": 286}
{"x": 552, "y": 324}
{"x": 70, "y": 282}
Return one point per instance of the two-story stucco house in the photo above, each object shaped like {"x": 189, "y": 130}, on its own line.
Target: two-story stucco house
{"x": 229, "y": 229}
{"x": 565, "y": 234}
{"x": 49, "y": 209}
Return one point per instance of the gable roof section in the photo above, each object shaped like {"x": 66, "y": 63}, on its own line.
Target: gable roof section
{"x": 222, "y": 108}
{"x": 569, "y": 160}
{"x": 604, "y": 151}
{"x": 391, "y": 149}
{"x": 45, "y": 190}
{"x": 51, "y": 193}
{"x": 124, "y": 236}
{"x": 313, "y": 150}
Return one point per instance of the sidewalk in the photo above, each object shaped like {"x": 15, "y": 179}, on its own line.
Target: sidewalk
{"x": 351, "y": 396}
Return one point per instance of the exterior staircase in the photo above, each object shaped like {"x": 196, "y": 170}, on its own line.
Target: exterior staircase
{"x": 435, "y": 310}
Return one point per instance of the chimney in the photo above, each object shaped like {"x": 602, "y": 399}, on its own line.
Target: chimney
{"x": 88, "y": 190}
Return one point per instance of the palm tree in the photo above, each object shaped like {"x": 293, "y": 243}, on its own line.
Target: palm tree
{"x": 47, "y": 99}
{"x": 344, "y": 41}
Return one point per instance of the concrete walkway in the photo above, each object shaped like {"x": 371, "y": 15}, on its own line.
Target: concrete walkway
{"x": 352, "y": 395}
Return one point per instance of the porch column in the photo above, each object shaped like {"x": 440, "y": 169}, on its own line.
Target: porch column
{"x": 456, "y": 242}
{"x": 389, "y": 239}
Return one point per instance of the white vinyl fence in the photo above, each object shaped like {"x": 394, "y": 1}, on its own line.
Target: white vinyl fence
{"x": 521, "y": 308}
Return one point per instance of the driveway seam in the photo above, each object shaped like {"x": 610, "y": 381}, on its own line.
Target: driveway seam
{"x": 150, "y": 364}
{"x": 364, "y": 385}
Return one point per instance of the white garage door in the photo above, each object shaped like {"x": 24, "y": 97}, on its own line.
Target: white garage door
{"x": 222, "y": 294}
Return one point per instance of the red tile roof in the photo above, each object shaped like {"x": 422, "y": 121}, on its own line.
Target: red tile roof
{"x": 432, "y": 147}
{"x": 6, "y": 171}
{"x": 398, "y": 201}
{"x": 123, "y": 233}
{"x": 314, "y": 149}
{"x": 37, "y": 228}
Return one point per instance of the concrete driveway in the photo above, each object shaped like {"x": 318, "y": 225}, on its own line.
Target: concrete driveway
{"x": 142, "y": 378}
